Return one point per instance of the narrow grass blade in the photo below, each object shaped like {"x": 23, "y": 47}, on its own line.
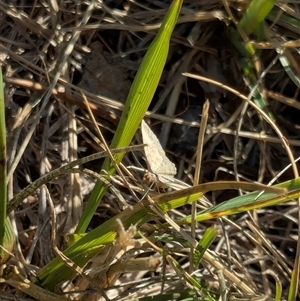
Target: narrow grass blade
{"x": 252, "y": 22}
{"x": 137, "y": 103}
{"x": 286, "y": 60}
{"x": 7, "y": 236}
{"x": 93, "y": 242}
{"x": 294, "y": 287}
{"x": 248, "y": 202}
{"x": 65, "y": 169}
{"x": 3, "y": 191}
{"x": 203, "y": 245}
{"x": 255, "y": 14}
{"x": 246, "y": 63}
{"x": 284, "y": 20}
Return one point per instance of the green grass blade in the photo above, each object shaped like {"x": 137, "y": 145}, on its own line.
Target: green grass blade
{"x": 258, "y": 97}
{"x": 285, "y": 57}
{"x": 91, "y": 243}
{"x": 248, "y": 202}
{"x": 252, "y": 22}
{"x": 294, "y": 288}
{"x": 7, "y": 236}
{"x": 8, "y": 241}
{"x": 284, "y": 20}
{"x": 106, "y": 233}
{"x": 3, "y": 187}
{"x": 137, "y": 103}
{"x": 246, "y": 63}
{"x": 255, "y": 14}
{"x": 203, "y": 245}
{"x": 278, "y": 290}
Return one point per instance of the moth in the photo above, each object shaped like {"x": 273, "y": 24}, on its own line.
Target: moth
{"x": 161, "y": 169}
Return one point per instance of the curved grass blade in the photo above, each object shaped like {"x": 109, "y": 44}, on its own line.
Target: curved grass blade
{"x": 290, "y": 65}
{"x": 93, "y": 242}
{"x": 65, "y": 169}
{"x": 180, "y": 271}
{"x": 137, "y": 103}
{"x": 248, "y": 202}
{"x": 283, "y": 19}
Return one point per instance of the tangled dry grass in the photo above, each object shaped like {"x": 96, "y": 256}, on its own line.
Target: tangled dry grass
{"x": 54, "y": 55}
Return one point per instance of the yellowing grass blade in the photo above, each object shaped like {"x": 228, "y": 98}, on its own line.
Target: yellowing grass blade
{"x": 250, "y": 201}
{"x": 137, "y": 103}
{"x": 93, "y": 242}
